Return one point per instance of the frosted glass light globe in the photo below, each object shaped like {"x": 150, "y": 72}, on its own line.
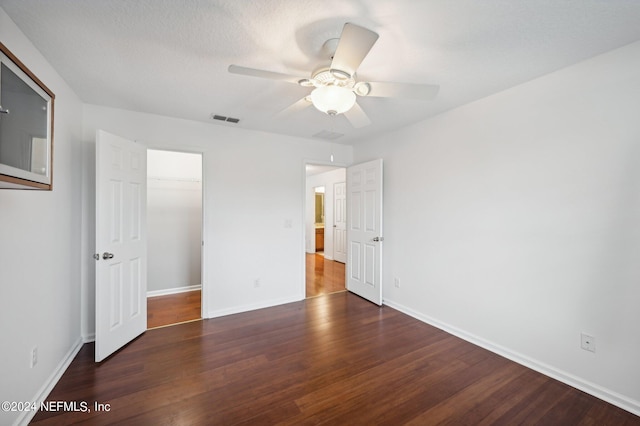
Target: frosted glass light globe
{"x": 333, "y": 99}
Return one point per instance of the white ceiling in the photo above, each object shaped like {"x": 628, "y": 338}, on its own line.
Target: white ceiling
{"x": 170, "y": 57}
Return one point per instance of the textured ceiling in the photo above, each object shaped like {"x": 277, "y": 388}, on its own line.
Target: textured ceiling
{"x": 170, "y": 57}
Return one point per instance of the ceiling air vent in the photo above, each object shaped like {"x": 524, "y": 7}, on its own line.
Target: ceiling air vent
{"x": 326, "y": 134}
{"x": 223, "y": 118}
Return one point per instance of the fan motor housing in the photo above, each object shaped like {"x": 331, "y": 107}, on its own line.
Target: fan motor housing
{"x": 328, "y": 76}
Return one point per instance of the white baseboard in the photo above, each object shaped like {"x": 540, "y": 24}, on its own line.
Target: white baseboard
{"x": 591, "y": 388}
{"x": 26, "y": 416}
{"x": 168, "y": 291}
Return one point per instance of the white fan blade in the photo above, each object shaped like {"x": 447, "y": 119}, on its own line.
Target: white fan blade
{"x": 403, "y": 90}
{"x": 357, "y": 117}
{"x": 295, "y": 107}
{"x": 355, "y": 43}
{"x": 252, "y": 72}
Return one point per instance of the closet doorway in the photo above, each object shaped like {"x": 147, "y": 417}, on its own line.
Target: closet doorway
{"x": 174, "y": 225}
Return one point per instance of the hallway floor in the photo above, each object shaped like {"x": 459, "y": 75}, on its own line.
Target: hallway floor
{"x": 324, "y": 276}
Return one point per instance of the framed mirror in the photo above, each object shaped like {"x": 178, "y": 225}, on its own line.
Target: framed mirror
{"x": 26, "y": 127}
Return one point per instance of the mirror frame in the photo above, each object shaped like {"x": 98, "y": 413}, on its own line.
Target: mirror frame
{"x": 26, "y": 179}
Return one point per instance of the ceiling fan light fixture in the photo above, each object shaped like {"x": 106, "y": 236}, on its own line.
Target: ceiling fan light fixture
{"x": 333, "y": 99}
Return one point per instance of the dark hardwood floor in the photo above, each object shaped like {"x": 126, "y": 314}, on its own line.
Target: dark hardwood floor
{"x": 333, "y": 359}
{"x": 173, "y": 308}
{"x": 323, "y": 276}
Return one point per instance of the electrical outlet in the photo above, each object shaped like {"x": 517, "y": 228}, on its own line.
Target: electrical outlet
{"x": 34, "y": 356}
{"x": 396, "y": 282}
{"x": 588, "y": 343}
{"x": 256, "y": 283}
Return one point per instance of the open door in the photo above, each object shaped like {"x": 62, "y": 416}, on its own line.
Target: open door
{"x": 340, "y": 222}
{"x": 121, "y": 242}
{"x": 364, "y": 230}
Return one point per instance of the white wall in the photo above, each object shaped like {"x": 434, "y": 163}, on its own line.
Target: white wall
{"x": 39, "y": 251}
{"x": 514, "y": 221}
{"x": 253, "y": 186}
{"x": 327, "y": 180}
{"x": 174, "y": 220}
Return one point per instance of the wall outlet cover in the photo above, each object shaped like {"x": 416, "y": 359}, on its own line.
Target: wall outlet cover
{"x": 587, "y": 342}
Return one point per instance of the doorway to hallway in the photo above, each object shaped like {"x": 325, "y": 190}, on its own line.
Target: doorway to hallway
{"x": 325, "y": 230}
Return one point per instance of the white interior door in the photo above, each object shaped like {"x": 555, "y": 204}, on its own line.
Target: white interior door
{"x": 340, "y": 222}
{"x": 364, "y": 230}
{"x": 121, "y": 242}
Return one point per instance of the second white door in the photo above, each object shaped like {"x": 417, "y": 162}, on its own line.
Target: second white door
{"x": 340, "y": 222}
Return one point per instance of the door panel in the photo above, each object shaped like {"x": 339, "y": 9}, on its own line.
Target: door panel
{"x": 364, "y": 230}
{"x": 369, "y": 266}
{"x": 121, "y": 246}
{"x": 115, "y": 295}
{"x": 355, "y": 264}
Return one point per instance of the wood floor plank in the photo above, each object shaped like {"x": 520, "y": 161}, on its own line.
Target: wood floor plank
{"x": 522, "y": 388}
{"x": 333, "y": 359}
{"x": 460, "y": 406}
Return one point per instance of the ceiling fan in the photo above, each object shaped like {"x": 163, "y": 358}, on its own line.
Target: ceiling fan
{"x": 336, "y": 86}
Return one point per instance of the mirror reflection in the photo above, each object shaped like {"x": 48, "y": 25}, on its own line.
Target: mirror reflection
{"x": 23, "y": 124}
{"x": 319, "y": 191}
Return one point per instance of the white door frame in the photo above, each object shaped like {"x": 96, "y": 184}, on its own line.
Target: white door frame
{"x": 204, "y": 306}
{"x": 303, "y": 259}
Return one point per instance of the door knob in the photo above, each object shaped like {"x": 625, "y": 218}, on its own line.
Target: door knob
{"x": 377, "y": 239}
{"x": 106, "y": 255}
